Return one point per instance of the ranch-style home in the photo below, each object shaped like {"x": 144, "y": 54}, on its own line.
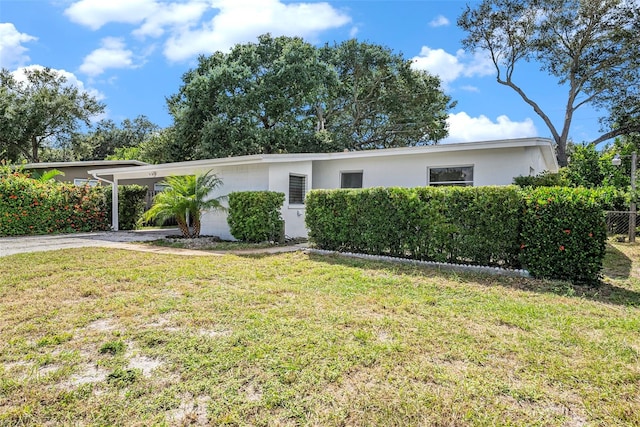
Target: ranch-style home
{"x": 472, "y": 163}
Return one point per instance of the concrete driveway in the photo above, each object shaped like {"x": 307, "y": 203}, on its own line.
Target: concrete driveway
{"x": 116, "y": 239}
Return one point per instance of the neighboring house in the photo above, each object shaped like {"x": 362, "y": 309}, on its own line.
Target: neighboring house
{"x": 475, "y": 164}
{"x": 78, "y": 173}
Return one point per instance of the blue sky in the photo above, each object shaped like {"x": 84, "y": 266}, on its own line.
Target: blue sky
{"x": 132, "y": 53}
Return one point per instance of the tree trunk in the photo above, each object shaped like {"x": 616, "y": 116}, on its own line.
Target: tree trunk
{"x": 196, "y": 227}
{"x": 184, "y": 228}
{"x": 561, "y": 153}
{"x": 34, "y": 150}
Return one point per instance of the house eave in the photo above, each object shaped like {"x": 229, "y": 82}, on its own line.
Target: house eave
{"x": 200, "y": 166}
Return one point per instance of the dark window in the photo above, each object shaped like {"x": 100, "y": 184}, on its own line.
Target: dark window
{"x": 455, "y": 175}
{"x": 351, "y": 180}
{"x": 297, "y": 189}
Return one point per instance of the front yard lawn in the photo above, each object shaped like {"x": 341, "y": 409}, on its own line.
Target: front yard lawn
{"x": 112, "y": 337}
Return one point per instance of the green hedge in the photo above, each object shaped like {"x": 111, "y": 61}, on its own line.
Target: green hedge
{"x": 131, "y": 205}
{"x": 474, "y": 225}
{"x": 254, "y": 216}
{"x": 491, "y": 226}
{"x": 563, "y": 234}
{"x": 29, "y": 206}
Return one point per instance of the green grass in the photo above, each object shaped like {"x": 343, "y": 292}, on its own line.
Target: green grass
{"x": 221, "y": 245}
{"x": 108, "y": 337}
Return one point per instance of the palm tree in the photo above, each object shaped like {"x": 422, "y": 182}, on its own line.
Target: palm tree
{"x": 184, "y": 200}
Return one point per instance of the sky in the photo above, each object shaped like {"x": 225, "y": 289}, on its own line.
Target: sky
{"x": 131, "y": 54}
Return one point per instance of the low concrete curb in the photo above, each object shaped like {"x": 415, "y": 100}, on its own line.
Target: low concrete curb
{"x": 441, "y": 265}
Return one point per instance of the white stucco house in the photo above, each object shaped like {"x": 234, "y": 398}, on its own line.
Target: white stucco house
{"x": 474, "y": 163}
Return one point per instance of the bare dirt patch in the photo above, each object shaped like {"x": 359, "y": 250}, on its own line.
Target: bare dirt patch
{"x": 89, "y": 373}
{"x": 145, "y": 364}
{"x": 192, "y": 411}
{"x": 215, "y": 333}
{"x": 102, "y": 325}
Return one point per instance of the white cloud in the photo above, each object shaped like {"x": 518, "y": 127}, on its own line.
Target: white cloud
{"x": 12, "y": 53}
{"x": 354, "y": 31}
{"x": 112, "y": 54}
{"x": 450, "y": 67}
{"x": 243, "y": 20}
{"x": 236, "y": 21}
{"x": 96, "y": 13}
{"x": 71, "y": 79}
{"x": 440, "y": 63}
{"x": 439, "y": 21}
{"x": 463, "y": 128}
{"x": 174, "y": 15}
{"x": 469, "y": 88}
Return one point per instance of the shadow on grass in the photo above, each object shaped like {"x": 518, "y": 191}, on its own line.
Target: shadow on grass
{"x": 605, "y": 292}
{"x": 617, "y": 265}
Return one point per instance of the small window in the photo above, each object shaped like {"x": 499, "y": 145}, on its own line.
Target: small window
{"x": 81, "y": 182}
{"x": 297, "y": 189}
{"x": 454, "y": 175}
{"x": 351, "y": 180}
{"x": 159, "y": 188}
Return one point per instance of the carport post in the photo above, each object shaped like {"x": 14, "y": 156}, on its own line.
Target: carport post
{"x": 114, "y": 204}
{"x": 114, "y": 199}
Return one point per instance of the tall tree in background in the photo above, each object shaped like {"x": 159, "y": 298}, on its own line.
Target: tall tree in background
{"x": 380, "y": 101}
{"x": 590, "y": 46}
{"x": 283, "y": 95}
{"x": 42, "y": 111}
{"x": 106, "y": 137}
{"x": 255, "y": 99}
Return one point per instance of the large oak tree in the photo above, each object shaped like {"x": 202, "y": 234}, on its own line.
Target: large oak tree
{"x": 40, "y": 111}
{"x": 591, "y": 46}
{"x": 283, "y": 95}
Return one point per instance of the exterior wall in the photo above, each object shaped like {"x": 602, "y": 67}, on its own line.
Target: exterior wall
{"x": 490, "y": 167}
{"x": 234, "y": 178}
{"x": 293, "y": 214}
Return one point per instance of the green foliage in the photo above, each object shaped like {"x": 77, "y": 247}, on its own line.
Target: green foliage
{"x": 184, "y": 200}
{"x": 122, "y": 378}
{"x": 254, "y": 216}
{"x": 47, "y": 175}
{"x": 464, "y": 225}
{"x": 158, "y": 147}
{"x": 113, "y": 347}
{"x": 543, "y": 179}
{"x": 590, "y": 47}
{"x": 563, "y": 234}
{"x": 290, "y": 96}
{"x": 379, "y": 100}
{"x": 29, "y": 206}
{"x": 131, "y": 205}
{"x": 502, "y": 226}
{"x": 585, "y": 167}
{"x": 40, "y": 111}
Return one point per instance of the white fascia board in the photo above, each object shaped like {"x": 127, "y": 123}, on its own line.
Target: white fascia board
{"x": 199, "y": 166}
{"x": 87, "y": 163}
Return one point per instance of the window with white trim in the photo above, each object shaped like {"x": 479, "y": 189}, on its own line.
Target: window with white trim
{"x": 83, "y": 181}
{"x": 158, "y": 188}
{"x": 297, "y": 189}
{"x": 451, "y": 175}
{"x": 351, "y": 179}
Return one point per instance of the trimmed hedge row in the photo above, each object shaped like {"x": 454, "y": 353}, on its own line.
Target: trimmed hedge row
{"x": 494, "y": 226}
{"x": 254, "y": 216}
{"x": 29, "y": 206}
{"x": 563, "y": 234}
{"x": 131, "y": 205}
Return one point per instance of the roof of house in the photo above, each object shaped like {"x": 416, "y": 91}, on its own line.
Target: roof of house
{"x": 88, "y": 163}
{"x": 190, "y": 167}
